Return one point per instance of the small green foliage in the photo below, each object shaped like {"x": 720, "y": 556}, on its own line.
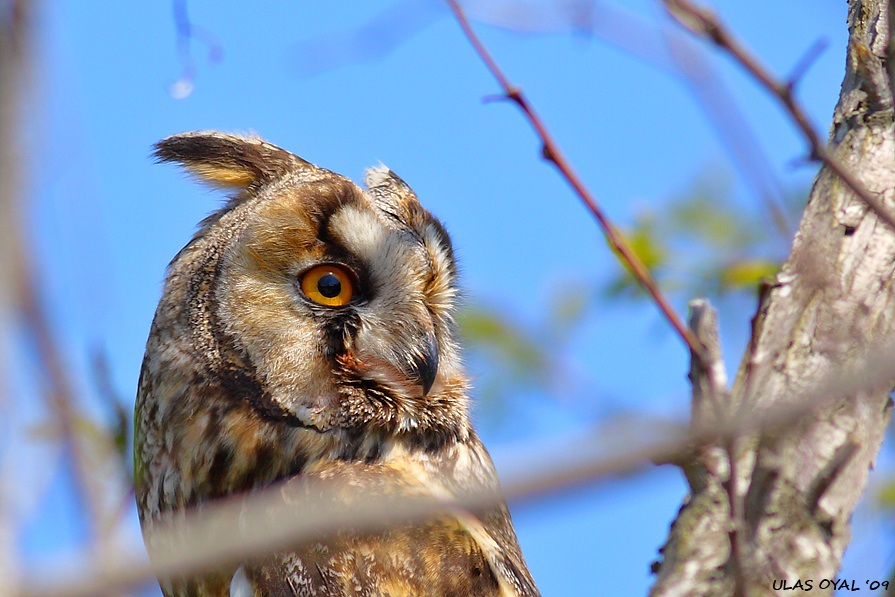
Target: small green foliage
{"x": 746, "y": 274}
{"x": 486, "y": 329}
{"x": 569, "y": 308}
{"x": 699, "y": 243}
{"x": 707, "y": 216}
{"x": 510, "y": 360}
{"x": 645, "y": 242}
{"x": 886, "y": 495}
{"x": 703, "y": 243}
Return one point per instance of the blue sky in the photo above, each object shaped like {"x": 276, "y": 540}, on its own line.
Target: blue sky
{"x": 107, "y": 220}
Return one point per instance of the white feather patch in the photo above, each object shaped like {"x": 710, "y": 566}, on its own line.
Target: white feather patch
{"x": 240, "y": 585}
{"x": 389, "y": 255}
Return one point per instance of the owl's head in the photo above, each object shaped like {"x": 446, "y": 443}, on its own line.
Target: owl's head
{"x": 320, "y": 303}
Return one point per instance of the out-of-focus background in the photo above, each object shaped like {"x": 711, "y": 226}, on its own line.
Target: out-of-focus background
{"x": 682, "y": 149}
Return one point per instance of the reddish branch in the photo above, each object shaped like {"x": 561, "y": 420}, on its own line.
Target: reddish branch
{"x": 703, "y": 23}
{"x": 552, "y": 153}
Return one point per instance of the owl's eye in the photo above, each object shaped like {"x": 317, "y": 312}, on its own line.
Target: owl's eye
{"x": 328, "y": 285}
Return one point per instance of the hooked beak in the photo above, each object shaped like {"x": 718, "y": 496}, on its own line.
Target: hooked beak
{"x": 423, "y": 361}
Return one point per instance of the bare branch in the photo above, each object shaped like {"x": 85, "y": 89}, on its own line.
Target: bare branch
{"x": 806, "y": 62}
{"x": 668, "y": 50}
{"x": 372, "y": 40}
{"x": 552, "y": 153}
{"x": 720, "y": 108}
{"x": 704, "y": 23}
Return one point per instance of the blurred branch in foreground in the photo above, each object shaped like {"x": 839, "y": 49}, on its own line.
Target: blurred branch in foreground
{"x": 69, "y": 423}
{"x": 25, "y": 324}
{"x": 278, "y": 516}
{"x": 13, "y": 72}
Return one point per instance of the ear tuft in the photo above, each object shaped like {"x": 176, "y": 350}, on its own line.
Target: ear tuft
{"x": 391, "y": 194}
{"x": 230, "y": 161}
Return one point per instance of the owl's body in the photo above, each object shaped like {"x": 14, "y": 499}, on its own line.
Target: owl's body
{"x": 306, "y": 333}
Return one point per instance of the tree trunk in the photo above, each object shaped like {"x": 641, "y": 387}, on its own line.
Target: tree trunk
{"x": 824, "y": 333}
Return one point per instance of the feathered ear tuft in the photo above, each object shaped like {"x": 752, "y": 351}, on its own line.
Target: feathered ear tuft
{"x": 392, "y": 195}
{"x": 229, "y": 161}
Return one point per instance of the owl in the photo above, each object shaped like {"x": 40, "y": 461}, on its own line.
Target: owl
{"x": 306, "y": 333}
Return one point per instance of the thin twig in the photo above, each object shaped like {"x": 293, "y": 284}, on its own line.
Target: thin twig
{"x": 702, "y": 22}
{"x": 687, "y": 62}
{"x": 807, "y": 61}
{"x": 551, "y": 152}
{"x": 18, "y": 287}
{"x": 670, "y": 51}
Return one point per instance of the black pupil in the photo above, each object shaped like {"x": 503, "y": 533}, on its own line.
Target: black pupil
{"x": 329, "y": 286}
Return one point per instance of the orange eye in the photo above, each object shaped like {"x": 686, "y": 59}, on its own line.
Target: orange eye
{"x": 328, "y": 285}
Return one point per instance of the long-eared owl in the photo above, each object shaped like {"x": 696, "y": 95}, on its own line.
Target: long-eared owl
{"x": 306, "y": 332}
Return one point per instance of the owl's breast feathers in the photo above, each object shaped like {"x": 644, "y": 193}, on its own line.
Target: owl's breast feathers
{"x": 231, "y": 449}
{"x": 456, "y": 553}
{"x": 251, "y": 379}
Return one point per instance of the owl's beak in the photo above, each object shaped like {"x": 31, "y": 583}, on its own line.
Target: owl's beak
{"x": 424, "y": 361}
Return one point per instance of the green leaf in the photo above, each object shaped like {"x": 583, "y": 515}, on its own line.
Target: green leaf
{"x": 748, "y": 273}
{"x": 645, "y": 243}
{"x": 502, "y": 339}
{"x": 886, "y": 495}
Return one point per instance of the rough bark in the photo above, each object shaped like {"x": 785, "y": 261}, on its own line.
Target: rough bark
{"x": 775, "y": 505}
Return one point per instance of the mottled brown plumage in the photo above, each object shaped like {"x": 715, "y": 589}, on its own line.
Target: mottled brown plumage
{"x": 305, "y": 334}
